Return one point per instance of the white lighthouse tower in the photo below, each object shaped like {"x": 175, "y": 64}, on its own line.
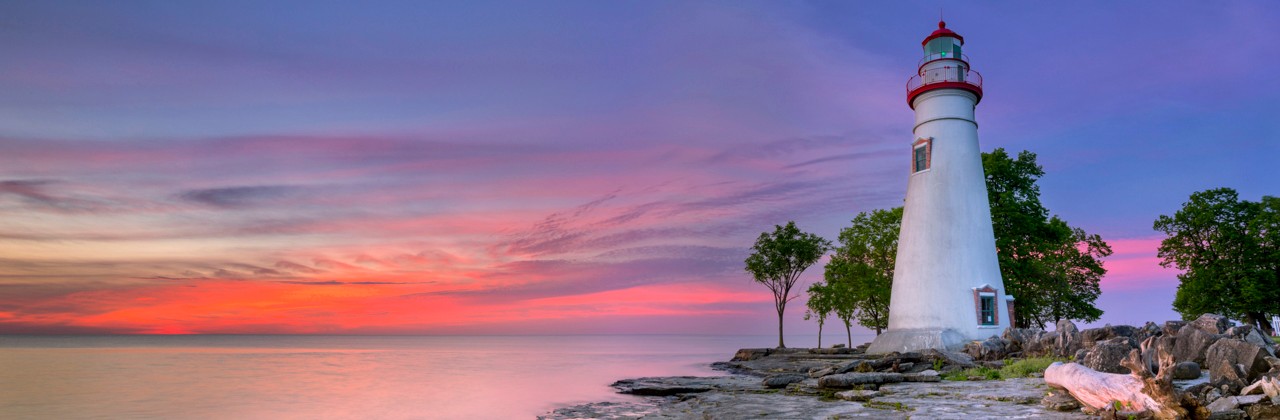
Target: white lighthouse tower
{"x": 947, "y": 288}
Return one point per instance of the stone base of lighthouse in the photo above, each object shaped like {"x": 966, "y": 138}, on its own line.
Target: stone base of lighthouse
{"x": 917, "y": 339}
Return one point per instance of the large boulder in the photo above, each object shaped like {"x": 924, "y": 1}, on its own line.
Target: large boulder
{"x": 993, "y": 348}
{"x": 1066, "y": 339}
{"x": 850, "y": 380}
{"x": 1025, "y": 340}
{"x": 948, "y": 358}
{"x": 1106, "y": 356}
{"x": 1211, "y": 323}
{"x": 1186, "y": 370}
{"x": 1249, "y": 334}
{"x": 1171, "y": 328}
{"x": 1092, "y": 336}
{"x": 1192, "y": 344}
{"x": 1150, "y": 329}
{"x": 1236, "y": 361}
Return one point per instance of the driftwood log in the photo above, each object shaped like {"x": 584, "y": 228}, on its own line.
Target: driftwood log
{"x": 1139, "y": 391}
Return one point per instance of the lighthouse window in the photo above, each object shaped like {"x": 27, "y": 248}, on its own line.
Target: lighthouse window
{"x": 988, "y": 310}
{"x": 921, "y": 157}
{"x": 936, "y": 46}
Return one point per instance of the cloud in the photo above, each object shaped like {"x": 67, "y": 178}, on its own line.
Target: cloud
{"x": 241, "y": 197}
{"x": 37, "y": 192}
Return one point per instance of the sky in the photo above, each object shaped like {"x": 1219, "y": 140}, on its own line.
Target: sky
{"x": 564, "y": 167}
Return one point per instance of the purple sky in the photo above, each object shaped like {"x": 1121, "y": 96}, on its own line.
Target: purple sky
{"x": 563, "y": 167}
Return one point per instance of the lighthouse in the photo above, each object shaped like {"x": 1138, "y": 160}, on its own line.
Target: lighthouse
{"x": 947, "y": 288}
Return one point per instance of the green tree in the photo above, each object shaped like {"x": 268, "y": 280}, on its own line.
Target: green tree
{"x": 1073, "y": 269}
{"x": 1226, "y": 249}
{"x": 778, "y": 258}
{"x": 819, "y": 306}
{"x": 1265, "y": 227}
{"x": 862, "y": 269}
{"x": 1051, "y": 268}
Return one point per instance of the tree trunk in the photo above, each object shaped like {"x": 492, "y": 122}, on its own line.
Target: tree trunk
{"x": 849, "y": 334}
{"x": 819, "y": 334}
{"x": 1260, "y": 320}
{"x": 780, "y": 343}
{"x": 1140, "y": 391}
{"x": 878, "y": 329}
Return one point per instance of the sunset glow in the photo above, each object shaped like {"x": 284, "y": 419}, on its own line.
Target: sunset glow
{"x": 559, "y": 168}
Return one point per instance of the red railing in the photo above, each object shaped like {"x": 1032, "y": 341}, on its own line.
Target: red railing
{"x": 944, "y": 75}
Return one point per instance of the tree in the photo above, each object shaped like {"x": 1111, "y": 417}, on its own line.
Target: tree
{"x": 1226, "y": 249}
{"x": 778, "y": 258}
{"x": 1073, "y": 268}
{"x": 862, "y": 268}
{"x": 1265, "y": 227}
{"x": 1051, "y": 268}
{"x": 819, "y": 306}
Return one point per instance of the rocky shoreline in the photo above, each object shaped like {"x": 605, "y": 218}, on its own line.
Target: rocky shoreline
{"x": 845, "y": 382}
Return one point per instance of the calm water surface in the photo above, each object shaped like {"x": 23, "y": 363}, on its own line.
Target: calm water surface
{"x": 446, "y": 377}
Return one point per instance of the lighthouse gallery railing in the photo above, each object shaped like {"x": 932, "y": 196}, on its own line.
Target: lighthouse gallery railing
{"x": 943, "y": 75}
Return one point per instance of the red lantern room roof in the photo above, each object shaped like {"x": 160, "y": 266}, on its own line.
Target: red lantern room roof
{"x": 941, "y": 32}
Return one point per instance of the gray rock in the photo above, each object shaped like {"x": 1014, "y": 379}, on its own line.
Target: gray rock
{"x": 1232, "y": 403}
{"x": 1106, "y": 356}
{"x": 1254, "y": 337}
{"x": 1066, "y": 339}
{"x": 1171, "y": 328}
{"x": 1192, "y": 344}
{"x": 1211, "y": 323}
{"x": 781, "y": 381}
{"x": 1233, "y": 414}
{"x": 1150, "y": 329}
{"x": 744, "y": 355}
{"x": 1025, "y": 340}
{"x": 1274, "y": 362}
{"x": 1060, "y": 401}
{"x": 1223, "y": 404}
{"x": 859, "y": 395}
{"x": 850, "y": 380}
{"x": 949, "y": 358}
{"x": 1186, "y": 370}
{"x": 993, "y": 348}
{"x": 664, "y": 386}
{"x": 1213, "y": 395}
{"x": 856, "y": 366}
{"x": 926, "y": 376}
{"x": 1235, "y": 360}
{"x": 1080, "y": 354}
{"x": 801, "y": 388}
{"x": 1263, "y": 411}
{"x": 1091, "y": 336}
{"x": 820, "y": 372}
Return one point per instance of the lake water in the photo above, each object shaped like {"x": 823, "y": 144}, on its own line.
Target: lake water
{"x": 245, "y": 377}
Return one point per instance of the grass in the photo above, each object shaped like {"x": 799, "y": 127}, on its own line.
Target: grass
{"x": 1276, "y": 339}
{"x": 1020, "y": 368}
{"x": 1025, "y": 367}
